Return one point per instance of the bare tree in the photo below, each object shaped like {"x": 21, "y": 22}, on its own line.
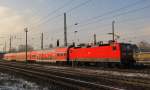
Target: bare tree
{"x": 13, "y": 50}
{"x": 50, "y": 45}
{"x": 144, "y": 46}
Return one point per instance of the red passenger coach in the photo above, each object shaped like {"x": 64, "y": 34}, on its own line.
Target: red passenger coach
{"x": 10, "y": 56}
{"x": 53, "y": 55}
{"x": 60, "y": 54}
{"x": 33, "y": 56}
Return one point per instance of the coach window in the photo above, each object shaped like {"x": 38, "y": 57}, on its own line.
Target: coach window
{"x": 64, "y": 54}
{"x": 33, "y": 56}
{"x": 50, "y": 57}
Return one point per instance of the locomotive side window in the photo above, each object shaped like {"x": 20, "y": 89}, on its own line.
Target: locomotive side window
{"x": 33, "y": 56}
{"x": 127, "y": 48}
{"x": 114, "y": 48}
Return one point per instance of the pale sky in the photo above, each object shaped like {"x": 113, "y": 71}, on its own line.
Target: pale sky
{"x": 132, "y": 20}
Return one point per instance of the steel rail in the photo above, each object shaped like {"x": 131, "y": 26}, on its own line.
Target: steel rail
{"x": 71, "y": 73}
{"x": 81, "y": 82}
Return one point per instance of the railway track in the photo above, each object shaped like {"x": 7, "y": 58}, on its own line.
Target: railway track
{"x": 139, "y": 68}
{"x": 58, "y": 79}
{"x": 77, "y": 78}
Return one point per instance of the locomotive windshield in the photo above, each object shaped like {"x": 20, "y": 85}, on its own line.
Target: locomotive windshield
{"x": 130, "y": 48}
{"x": 127, "y": 52}
{"x": 127, "y": 48}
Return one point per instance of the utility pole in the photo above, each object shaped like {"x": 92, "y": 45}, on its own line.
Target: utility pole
{"x": 57, "y": 42}
{"x": 65, "y": 30}
{"x": 94, "y": 39}
{"x": 5, "y": 47}
{"x": 42, "y": 41}
{"x": 26, "y": 31}
{"x": 113, "y": 31}
{"x": 75, "y": 38}
{"x": 10, "y": 44}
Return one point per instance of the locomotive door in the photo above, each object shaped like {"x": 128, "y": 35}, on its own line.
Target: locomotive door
{"x": 126, "y": 53}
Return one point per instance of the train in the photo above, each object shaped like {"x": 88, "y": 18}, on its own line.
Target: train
{"x": 114, "y": 52}
{"x": 1, "y": 55}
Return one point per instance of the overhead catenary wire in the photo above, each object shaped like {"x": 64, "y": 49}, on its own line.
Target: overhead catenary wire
{"x": 73, "y": 8}
{"x": 104, "y": 28}
{"x": 132, "y": 19}
{"x": 120, "y": 14}
{"x": 117, "y": 15}
{"x": 56, "y": 10}
{"x": 78, "y": 6}
{"x": 114, "y": 11}
{"x": 88, "y": 21}
{"x": 123, "y": 21}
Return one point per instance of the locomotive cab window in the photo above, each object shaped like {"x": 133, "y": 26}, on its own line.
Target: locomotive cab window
{"x": 127, "y": 48}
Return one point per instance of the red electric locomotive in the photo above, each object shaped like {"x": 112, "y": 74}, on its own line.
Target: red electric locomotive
{"x": 107, "y": 53}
